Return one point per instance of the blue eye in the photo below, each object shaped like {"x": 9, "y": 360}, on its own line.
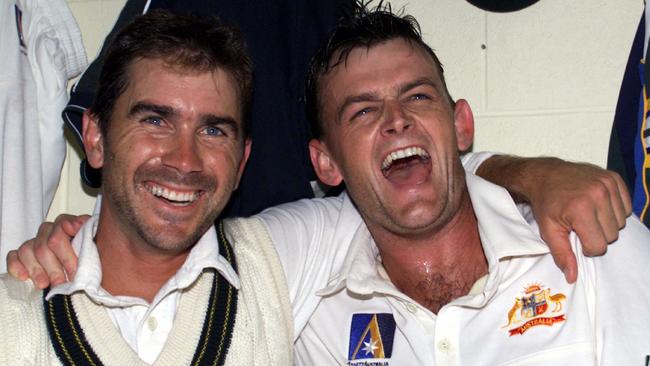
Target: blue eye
{"x": 154, "y": 120}
{"x": 213, "y": 131}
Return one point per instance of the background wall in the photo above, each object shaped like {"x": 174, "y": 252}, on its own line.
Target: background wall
{"x": 541, "y": 81}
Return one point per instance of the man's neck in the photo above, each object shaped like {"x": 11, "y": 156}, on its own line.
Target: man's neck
{"x": 438, "y": 268}
{"x": 130, "y": 267}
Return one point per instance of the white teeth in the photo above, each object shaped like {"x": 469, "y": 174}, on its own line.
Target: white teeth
{"x": 403, "y": 153}
{"x": 173, "y": 196}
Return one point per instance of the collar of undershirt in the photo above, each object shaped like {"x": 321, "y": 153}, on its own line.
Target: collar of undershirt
{"x": 72, "y": 347}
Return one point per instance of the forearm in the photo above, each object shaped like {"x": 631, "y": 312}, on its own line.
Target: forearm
{"x": 522, "y": 177}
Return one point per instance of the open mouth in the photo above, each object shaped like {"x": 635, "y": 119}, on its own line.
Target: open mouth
{"x": 176, "y": 198}
{"x": 411, "y": 165}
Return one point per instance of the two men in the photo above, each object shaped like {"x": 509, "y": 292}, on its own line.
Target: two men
{"x": 158, "y": 282}
{"x": 388, "y": 283}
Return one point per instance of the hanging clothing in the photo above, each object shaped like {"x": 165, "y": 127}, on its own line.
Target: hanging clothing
{"x": 281, "y": 36}
{"x": 41, "y": 49}
{"x": 629, "y": 146}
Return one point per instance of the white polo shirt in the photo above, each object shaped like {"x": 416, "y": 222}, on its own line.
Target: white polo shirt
{"x": 524, "y": 312}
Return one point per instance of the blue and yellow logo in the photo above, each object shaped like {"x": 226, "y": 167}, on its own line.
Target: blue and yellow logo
{"x": 371, "y": 336}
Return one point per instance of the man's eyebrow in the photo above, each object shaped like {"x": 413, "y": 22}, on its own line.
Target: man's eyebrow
{"x": 144, "y": 107}
{"x": 352, "y": 99}
{"x": 372, "y": 97}
{"x": 419, "y": 82}
{"x": 214, "y": 120}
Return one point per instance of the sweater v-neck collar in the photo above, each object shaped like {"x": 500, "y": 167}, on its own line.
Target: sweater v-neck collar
{"x": 82, "y": 332}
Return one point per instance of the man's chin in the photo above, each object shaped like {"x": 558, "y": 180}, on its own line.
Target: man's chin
{"x": 171, "y": 239}
{"x": 417, "y": 218}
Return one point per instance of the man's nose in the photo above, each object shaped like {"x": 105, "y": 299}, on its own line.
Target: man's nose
{"x": 183, "y": 154}
{"x": 395, "y": 119}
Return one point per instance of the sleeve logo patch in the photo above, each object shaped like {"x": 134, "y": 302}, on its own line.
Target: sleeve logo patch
{"x": 371, "y": 336}
{"x": 536, "y": 306}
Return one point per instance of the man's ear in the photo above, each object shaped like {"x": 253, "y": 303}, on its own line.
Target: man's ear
{"x": 464, "y": 125}
{"x": 242, "y": 164}
{"x": 324, "y": 166}
{"x": 93, "y": 140}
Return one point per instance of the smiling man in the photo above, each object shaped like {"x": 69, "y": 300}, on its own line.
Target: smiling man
{"x": 371, "y": 273}
{"x": 427, "y": 264}
{"x": 158, "y": 282}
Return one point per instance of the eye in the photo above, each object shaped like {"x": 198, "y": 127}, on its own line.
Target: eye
{"x": 154, "y": 120}
{"x": 213, "y": 131}
{"x": 361, "y": 113}
{"x": 420, "y": 96}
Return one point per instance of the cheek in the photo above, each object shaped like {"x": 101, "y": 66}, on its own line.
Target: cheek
{"x": 129, "y": 154}
{"x": 223, "y": 163}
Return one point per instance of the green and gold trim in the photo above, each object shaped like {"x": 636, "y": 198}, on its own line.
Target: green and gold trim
{"x": 72, "y": 347}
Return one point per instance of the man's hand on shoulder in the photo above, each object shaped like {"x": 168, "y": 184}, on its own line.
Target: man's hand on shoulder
{"x": 48, "y": 257}
{"x": 565, "y": 197}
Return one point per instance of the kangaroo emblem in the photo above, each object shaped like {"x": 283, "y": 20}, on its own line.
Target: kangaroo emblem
{"x": 556, "y": 299}
{"x": 512, "y": 314}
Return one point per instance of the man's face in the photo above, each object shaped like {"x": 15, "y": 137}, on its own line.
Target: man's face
{"x": 172, "y": 155}
{"x": 391, "y": 135}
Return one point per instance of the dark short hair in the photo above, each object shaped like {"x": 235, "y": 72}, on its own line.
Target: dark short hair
{"x": 197, "y": 44}
{"x": 361, "y": 27}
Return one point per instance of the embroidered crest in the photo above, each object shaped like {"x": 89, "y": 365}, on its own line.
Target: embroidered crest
{"x": 371, "y": 337}
{"x": 537, "y": 306}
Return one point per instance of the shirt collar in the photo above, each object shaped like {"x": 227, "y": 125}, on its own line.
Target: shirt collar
{"x": 359, "y": 270}
{"x": 205, "y": 254}
{"x": 506, "y": 229}
{"x": 503, "y": 230}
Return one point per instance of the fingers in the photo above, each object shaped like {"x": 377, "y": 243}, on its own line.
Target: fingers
{"x": 59, "y": 243}
{"x": 14, "y": 267}
{"x": 599, "y": 211}
{"x": 612, "y": 205}
{"x": 47, "y": 258}
{"x": 558, "y": 243}
{"x": 592, "y": 234}
{"x": 593, "y": 202}
{"x": 623, "y": 194}
{"x": 25, "y": 254}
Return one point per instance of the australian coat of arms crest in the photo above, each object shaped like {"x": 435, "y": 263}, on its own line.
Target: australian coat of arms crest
{"x": 536, "y": 306}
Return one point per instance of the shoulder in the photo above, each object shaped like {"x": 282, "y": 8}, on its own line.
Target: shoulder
{"x": 246, "y": 232}
{"x": 15, "y": 291}
{"x": 619, "y": 283}
{"x": 263, "y": 301}
{"x": 18, "y": 299}
{"x": 252, "y": 244}
{"x": 620, "y": 275}
{"x": 21, "y": 318}
{"x": 632, "y": 249}
{"x": 304, "y": 211}
{"x": 310, "y": 220}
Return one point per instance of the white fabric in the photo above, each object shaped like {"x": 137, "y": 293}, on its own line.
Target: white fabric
{"x": 262, "y": 325}
{"x": 332, "y": 270}
{"x": 144, "y": 326}
{"x": 33, "y": 82}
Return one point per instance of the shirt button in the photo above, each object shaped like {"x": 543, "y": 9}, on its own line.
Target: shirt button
{"x": 411, "y": 307}
{"x": 443, "y": 345}
{"x": 152, "y": 323}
